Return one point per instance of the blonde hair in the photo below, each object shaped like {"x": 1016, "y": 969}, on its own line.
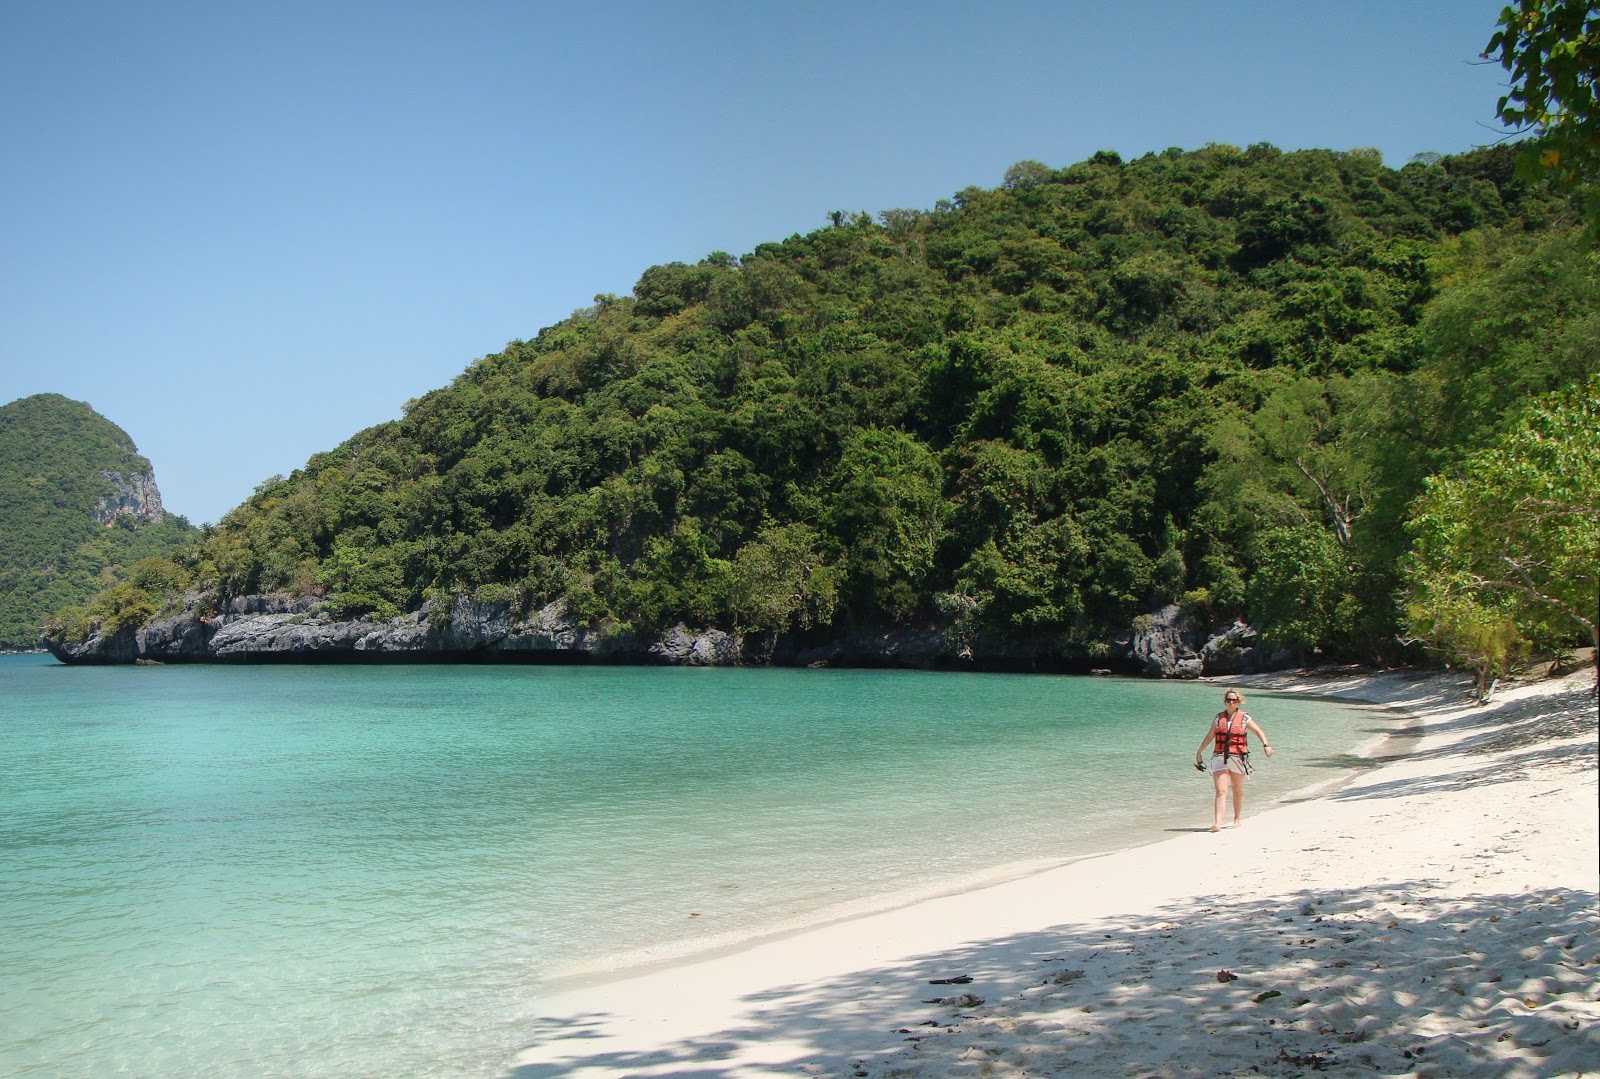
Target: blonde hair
{"x": 1232, "y": 692}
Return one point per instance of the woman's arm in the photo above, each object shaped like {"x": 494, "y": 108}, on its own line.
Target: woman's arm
{"x": 1211, "y": 734}
{"x": 1266, "y": 743}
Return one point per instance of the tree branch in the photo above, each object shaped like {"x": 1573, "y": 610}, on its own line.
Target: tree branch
{"x": 1526, "y": 586}
{"x": 1340, "y": 515}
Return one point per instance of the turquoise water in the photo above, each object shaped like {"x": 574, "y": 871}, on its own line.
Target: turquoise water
{"x": 376, "y": 871}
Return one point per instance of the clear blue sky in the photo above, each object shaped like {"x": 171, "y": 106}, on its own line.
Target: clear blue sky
{"x": 245, "y": 232}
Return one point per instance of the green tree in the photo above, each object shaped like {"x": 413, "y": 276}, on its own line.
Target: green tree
{"x": 1517, "y": 530}
{"x": 1464, "y": 627}
{"x": 1014, "y": 401}
{"x": 1030, "y": 580}
{"x": 1552, "y": 50}
{"x": 122, "y": 606}
{"x": 1303, "y": 456}
{"x": 1296, "y": 591}
{"x": 1519, "y": 318}
{"x": 781, "y": 581}
{"x": 62, "y": 529}
{"x": 884, "y": 505}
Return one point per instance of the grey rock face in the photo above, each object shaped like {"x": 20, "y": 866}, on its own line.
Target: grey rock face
{"x": 271, "y": 628}
{"x": 1172, "y": 644}
{"x": 1237, "y": 649}
{"x": 1166, "y": 644}
{"x": 135, "y": 495}
{"x": 710, "y": 648}
{"x": 313, "y": 637}
{"x": 180, "y": 637}
{"x": 266, "y": 628}
{"x": 1233, "y": 649}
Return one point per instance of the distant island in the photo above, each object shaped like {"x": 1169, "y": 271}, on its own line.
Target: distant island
{"x": 75, "y": 500}
{"x": 1192, "y": 413}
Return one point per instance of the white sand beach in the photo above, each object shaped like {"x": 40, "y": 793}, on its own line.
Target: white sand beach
{"x": 1436, "y": 916}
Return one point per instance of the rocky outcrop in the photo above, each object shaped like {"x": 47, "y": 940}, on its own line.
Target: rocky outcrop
{"x": 1164, "y": 644}
{"x": 710, "y": 648}
{"x": 922, "y": 648}
{"x": 1237, "y": 649}
{"x": 287, "y": 629}
{"x": 134, "y": 495}
{"x": 118, "y": 647}
{"x": 261, "y": 629}
{"x": 1174, "y": 644}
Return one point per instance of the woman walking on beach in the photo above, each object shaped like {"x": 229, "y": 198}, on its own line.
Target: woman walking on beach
{"x": 1230, "y": 755}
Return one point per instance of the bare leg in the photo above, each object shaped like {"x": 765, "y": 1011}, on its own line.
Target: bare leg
{"x": 1238, "y": 798}
{"x": 1219, "y": 780}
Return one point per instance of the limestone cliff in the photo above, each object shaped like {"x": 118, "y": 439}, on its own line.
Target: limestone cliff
{"x": 75, "y": 498}
{"x": 133, "y": 493}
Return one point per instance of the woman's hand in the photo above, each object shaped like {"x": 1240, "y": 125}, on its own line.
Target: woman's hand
{"x": 1268, "y": 749}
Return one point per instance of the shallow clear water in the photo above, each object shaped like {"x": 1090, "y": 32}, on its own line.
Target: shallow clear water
{"x": 375, "y": 871}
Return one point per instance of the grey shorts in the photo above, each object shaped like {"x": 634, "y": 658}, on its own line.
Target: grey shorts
{"x": 1229, "y": 764}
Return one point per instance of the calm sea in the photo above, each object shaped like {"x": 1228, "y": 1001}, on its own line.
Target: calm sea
{"x": 377, "y": 871}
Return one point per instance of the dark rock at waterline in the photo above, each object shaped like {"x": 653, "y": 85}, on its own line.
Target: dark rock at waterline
{"x": 304, "y": 629}
{"x": 922, "y": 648}
{"x": 119, "y": 647}
{"x": 288, "y": 629}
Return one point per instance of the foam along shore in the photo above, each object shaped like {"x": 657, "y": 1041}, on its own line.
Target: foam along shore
{"x": 1435, "y": 917}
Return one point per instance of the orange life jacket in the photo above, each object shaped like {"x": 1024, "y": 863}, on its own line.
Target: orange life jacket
{"x": 1231, "y": 738}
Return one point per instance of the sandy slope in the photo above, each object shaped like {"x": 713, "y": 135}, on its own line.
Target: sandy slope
{"x": 1435, "y": 917}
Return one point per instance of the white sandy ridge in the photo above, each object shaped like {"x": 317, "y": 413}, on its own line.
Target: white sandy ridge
{"x": 1435, "y": 917}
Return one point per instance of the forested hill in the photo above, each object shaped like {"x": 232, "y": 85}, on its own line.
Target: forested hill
{"x": 1036, "y": 412}
{"x": 75, "y": 498}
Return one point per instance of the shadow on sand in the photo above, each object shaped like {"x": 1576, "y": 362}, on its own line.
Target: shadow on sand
{"x": 1355, "y": 978}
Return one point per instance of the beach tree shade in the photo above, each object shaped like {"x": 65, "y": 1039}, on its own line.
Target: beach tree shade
{"x": 1514, "y": 536}
{"x": 1552, "y": 50}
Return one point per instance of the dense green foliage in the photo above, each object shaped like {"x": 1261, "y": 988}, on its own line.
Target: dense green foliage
{"x": 1508, "y": 551}
{"x": 52, "y": 551}
{"x": 1217, "y": 377}
{"x": 1552, "y": 50}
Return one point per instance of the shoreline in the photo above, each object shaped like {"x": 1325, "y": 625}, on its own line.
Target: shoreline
{"x": 850, "y": 996}
{"x": 615, "y": 968}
